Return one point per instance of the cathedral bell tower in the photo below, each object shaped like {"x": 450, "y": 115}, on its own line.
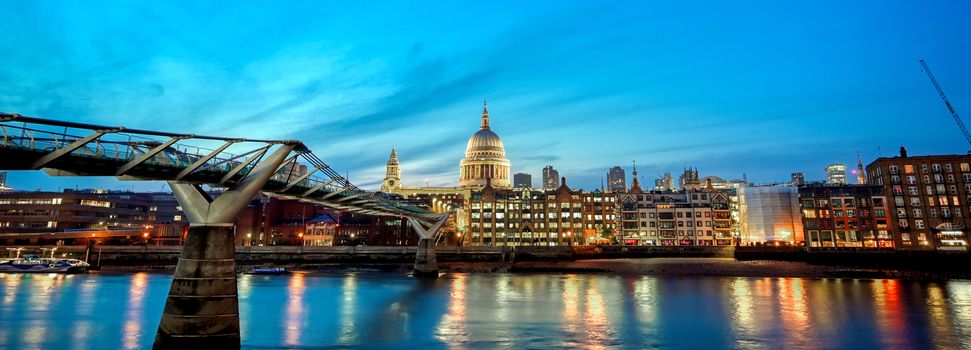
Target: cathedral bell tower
{"x": 392, "y": 179}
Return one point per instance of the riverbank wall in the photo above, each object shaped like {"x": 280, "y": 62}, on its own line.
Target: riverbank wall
{"x": 942, "y": 261}
{"x": 289, "y": 255}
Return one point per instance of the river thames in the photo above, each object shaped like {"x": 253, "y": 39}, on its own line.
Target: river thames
{"x": 374, "y": 309}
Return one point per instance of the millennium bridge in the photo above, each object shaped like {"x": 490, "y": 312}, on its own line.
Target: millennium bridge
{"x": 202, "y": 308}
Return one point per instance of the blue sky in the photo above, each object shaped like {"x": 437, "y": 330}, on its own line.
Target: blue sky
{"x": 762, "y": 88}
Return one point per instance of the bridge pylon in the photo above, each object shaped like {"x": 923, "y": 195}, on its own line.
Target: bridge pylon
{"x": 426, "y": 262}
{"x": 202, "y": 308}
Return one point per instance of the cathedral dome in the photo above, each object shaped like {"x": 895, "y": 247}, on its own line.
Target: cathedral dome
{"x": 485, "y": 144}
{"x": 485, "y": 158}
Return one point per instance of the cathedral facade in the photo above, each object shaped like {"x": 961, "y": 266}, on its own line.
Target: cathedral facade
{"x": 485, "y": 158}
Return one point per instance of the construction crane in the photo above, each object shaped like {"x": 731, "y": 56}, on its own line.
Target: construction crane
{"x": 957, "y": 118}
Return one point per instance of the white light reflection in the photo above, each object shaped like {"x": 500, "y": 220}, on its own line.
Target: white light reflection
{"x": 294, "y": 313}
{"x": 39, "y": 301}
{"x": 86, "y": 302}
{"x": 645, "y": 300}
{"x": 132, "y": 330}
{"x": 348, "y": 310}
{"x": 244, "y": 289}
{"x": 959, "y": 297}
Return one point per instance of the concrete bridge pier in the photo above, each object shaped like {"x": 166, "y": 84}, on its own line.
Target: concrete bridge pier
{"x": 426, "y": 263}
{"x": 202, "y": 308}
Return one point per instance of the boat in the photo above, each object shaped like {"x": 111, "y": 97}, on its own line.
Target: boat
{"x": 34, "y": 264}
{"x": 267, "y": 271}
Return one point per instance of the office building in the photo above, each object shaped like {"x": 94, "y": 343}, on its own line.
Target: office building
{"x": 798, "y": 179}
{"x": 522, "y": 180}
{"x": 551, "y": 178}
{"x": 836, "y": 174}
{"x": 616, "y": 180}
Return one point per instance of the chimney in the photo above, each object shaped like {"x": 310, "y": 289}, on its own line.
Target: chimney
{"x": 903, "y": 152}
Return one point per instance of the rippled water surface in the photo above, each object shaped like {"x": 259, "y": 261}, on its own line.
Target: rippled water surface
{"x": 391, "y": 310}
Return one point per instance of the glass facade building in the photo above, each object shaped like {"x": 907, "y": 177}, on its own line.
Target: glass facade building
{"x": 769, "y": 213}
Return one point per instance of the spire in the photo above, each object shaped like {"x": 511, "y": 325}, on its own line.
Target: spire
{"x": 394, "y": 154}
{"x": 485, "y": 115}
{"x": 860, "y": 173}
{"x": 635, "y": 185}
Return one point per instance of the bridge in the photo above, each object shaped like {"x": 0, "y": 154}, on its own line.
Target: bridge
{"x": 202, "y": 308}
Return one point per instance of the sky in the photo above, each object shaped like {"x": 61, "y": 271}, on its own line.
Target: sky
{"x": 764, "y": 88}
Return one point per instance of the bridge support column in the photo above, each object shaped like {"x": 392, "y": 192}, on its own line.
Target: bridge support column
{"x": 202, "y": 308}
{"x": 426, "y": 262}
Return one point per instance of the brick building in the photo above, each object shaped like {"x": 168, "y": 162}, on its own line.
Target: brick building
{"x": 72, "y": 216}
{"x": 542, "y": 217}
{"x": 845, "y": 216}
{"x": 928, "y": 199}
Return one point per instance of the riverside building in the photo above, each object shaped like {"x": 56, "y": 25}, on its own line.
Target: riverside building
{"x": 535, "y": 217}
{"x": 845, "y": 216}
{"x": 769, "y": 213}
{"x": 928, "y": 199}
{"x": 74, "y": 215}
{"x": 685, "y": 218}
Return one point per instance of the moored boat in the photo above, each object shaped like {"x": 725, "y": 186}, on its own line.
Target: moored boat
{"x": 34, "y": 264}
{"x": 268, "y": 271}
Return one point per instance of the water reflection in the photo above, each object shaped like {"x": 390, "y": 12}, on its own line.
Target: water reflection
{"x": 793, "y": 310}
{"x": 388, "y": 310}
{"x": 743, "y": 312}
{"x": 294, "y": 312}
{"x": 348, "y": 325}
{"x": 890, "y": 320}
{"x": 132, "y": 331}
{"x": 244, "y": 291}
{"x": 452, "y": 328}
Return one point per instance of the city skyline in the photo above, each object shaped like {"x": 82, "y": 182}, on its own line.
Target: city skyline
{"x": 629, "y": 84}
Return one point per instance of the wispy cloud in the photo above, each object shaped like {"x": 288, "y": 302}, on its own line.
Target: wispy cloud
{"x": 580, "y": 86}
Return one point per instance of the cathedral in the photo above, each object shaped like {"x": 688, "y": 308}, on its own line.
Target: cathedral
{"x": 484, "y": 163}
{"x": 485, "y": 158}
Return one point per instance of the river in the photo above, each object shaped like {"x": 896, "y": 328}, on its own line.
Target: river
{"x": 374, "y": 309}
